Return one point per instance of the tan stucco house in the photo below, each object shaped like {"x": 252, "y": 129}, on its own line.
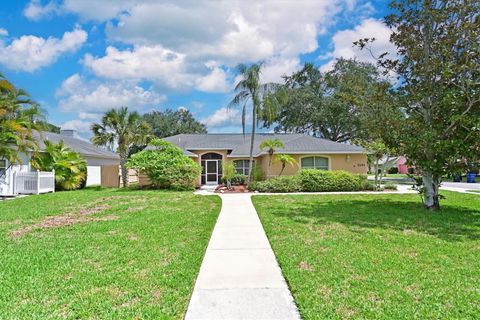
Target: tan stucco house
{"x": 212, "y": 150}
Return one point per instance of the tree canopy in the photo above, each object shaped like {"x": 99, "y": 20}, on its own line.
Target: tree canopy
{"x": 438, "y": 67}
{"x": 18, "y": 120}
{"x": 169, "y": 123}
{"x": 330, "y": 104}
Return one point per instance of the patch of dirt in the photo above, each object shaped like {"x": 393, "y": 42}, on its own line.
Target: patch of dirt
{"x": 157, "y": 295}
{"x": 68, "y": 219}
{"x": 305, "y": 266}
{"x": 132, "y": 238}
{"x": 82, "y": 215}
{"x": 134, "y": 209}
{"x": 60, "y": 221}
{"x": 93, "y": 210}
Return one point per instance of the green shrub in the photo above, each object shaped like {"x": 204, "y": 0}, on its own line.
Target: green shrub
{"x": 389, "y": 186}
{"x": 235, "y": 180}
{"x": 166, "y": 166}
{"x": 70, "y": 168}
{"x": 314, "y": 180}
{"x": 257, "y": 173}
{"x": 277, "y": 184}
{"x": 369, "y": 186}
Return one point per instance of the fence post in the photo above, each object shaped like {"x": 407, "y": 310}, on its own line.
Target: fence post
{"x": 38, "y": 181}
{"x": 53, "y": 185}
{"x": 14, "y": 182}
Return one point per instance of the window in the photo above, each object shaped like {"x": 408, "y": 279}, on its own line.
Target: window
{"x": 242, "y": 166}
{"x": 3, "y": 167}
{"x": 315, "y": 163}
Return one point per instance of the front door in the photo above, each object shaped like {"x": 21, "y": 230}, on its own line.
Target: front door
{"x": 211, "y": 171}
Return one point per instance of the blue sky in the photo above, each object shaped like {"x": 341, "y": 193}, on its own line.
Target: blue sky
{"x": 80, "y": 58}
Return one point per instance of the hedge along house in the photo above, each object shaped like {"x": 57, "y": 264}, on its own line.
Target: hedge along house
{"x": 96, "y": 158}
{"x": 213, "y": 150}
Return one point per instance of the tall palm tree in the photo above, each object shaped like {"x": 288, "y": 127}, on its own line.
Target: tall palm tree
{"x": 249, "y": 91}
{"x": 285, "y": 159}
{"x": 18, "y": 116}
{"x": 122, "y": 129}
{"x": 271, "y": 145}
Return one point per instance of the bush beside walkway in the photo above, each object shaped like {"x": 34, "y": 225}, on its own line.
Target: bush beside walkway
{"x": 312, "y": 180}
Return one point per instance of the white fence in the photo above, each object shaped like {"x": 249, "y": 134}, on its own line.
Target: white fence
{"x": 34, "y": 182}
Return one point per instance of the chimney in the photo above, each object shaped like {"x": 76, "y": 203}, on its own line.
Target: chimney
{"x": 68, "y": 133}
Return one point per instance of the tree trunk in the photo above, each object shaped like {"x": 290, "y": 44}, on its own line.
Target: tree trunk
{"x": 382, "y": 171}
{"x": 123, "y": 168}
{"x": 270, "y": 157}
{"x": 376, "y": 172}
{"x": 431, "y": 198}
{"x": 252, "y": 141}
{"x": 283, "y": 168}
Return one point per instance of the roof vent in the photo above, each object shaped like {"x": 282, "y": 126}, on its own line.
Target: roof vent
{"x": 68, "y": 133}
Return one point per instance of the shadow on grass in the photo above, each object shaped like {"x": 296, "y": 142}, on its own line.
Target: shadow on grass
{"x": 452, "y": 223}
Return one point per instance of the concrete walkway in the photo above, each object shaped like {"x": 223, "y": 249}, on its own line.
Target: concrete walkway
{"x": 239, "y": 277}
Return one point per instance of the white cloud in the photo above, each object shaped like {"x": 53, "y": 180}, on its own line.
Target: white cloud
{"x": 88, "y": 97}
{"x": 155, "y": 63}
{"x": 36, "y": 11}
{"x": 90, "y": 116}
{"x": 81, "y": 126}
{"x": 223, "y": 117}
{"x": 172, "y": 43}
{"x": 275, "y": 68}
{"x": 252, "y": 31}
{"x": 3, "y": 32}
{"x": 368, "y": 28}
{"x": 29, "y": 53}
{"x": 215, "y": 81}
{"x": 142, "y": 62}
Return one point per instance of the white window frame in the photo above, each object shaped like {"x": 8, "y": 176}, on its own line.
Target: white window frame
{"x": 315, "y": 164}
{"x": 244, "y": 168}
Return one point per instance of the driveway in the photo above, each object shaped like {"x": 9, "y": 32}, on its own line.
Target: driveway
{"x": 462, "y": 185}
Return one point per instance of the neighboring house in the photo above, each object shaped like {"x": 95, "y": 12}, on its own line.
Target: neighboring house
{"x": 399, "y": 162}
{"x": 212, "y": 150}
{"x": 97, "y": 159}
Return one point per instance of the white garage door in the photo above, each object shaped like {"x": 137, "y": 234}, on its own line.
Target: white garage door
{"x": 94, "y": 175}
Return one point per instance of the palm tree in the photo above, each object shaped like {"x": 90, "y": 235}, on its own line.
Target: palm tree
{"x": 271, "y": 145}
{"x": 6, "y": 85}
{"x": 123, "y": 129}
{"x": 18, "y": 116}
{"x": 264, "y": 104}
{"x": 70, "y": 168}
{"x": 285, "y": 159}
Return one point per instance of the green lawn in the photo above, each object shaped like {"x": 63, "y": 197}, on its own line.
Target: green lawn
{"x": 377, "y": 256}
{"x": 102, "y": 254}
